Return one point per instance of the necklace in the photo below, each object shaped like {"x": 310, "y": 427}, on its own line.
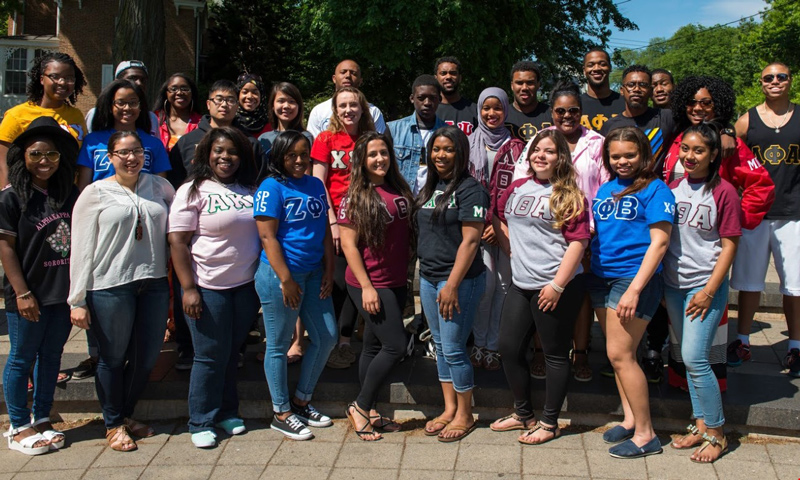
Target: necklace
{"x": 782, "y": 122}
{"x": 139, "y": 231}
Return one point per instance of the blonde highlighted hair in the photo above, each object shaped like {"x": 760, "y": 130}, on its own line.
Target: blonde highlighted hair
{"x": 567, "y": 201}
{"x": 365, "y": 123}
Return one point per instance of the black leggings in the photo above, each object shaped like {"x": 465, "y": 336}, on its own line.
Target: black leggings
{"x": 658, "y": 329}
{"x": 343, "y": 306}
{"x": 520, "y": 319}
{"x": 384, "y": 341}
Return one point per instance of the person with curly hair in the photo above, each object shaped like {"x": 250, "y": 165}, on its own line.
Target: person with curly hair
{"x": 695, "y": 100}
{"x": 175, "y": 110}
{"x": 55, "y": 83}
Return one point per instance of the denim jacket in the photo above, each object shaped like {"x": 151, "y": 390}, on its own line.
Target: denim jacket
{"x": 408, "y": 145}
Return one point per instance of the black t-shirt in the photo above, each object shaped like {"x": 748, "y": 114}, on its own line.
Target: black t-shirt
{"x": 597, "y": 111}
{"x": 438, "y": 242}
{"x": 42, "y": 244}
{"x": 463, "y": 114}
{"x": 525, "y": 126}
{"x": 780, "y": 154}
{"x": 656, "y": 123}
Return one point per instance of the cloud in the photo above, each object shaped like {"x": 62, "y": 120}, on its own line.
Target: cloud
{"x": 724, "y": 11}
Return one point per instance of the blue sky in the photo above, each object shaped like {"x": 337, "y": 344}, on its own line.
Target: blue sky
{"x": 663, "y": 18}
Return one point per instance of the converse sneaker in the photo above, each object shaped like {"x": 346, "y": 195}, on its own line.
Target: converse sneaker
{"x": 292, "y": 427}
{"x": 310, "y": 416}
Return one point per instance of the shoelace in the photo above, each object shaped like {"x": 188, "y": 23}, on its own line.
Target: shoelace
{"x": 294, "y": 423}
{"x": 312, "y": 412}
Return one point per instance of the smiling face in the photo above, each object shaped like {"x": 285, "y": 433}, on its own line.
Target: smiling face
{"x": 443, "y": 154}
{"x": 41, "y": 160}
{"x": 224, "y": 159}
{"x": 58, "y": 81}
{"x": 449, "y": 77}
{"x": 700, "y": 107}
{"x": 596, "y": 68}
{"x": 662, "y": 89}
{"x": 696, "y": 155}
{"x": 249, "y": 97}
{"x": 348, "y": 109}
{"x": 624, "y": 158}
{"x": 297, "y": 159}
{"x": 524, "y": 86}
{"x": 179, "y": 93}
{"x": 125, "y": 109}
{"x": 492, "y": 113}
{"x": 127, "y": 157}
{"x": 377, "y": 162}
{"x": 566, "y": 114}
{"x": 543, "y": 158}
{"x": 285, "y": 107}
{"x": 779, "y": 84}
{"x": 425, "y": 100}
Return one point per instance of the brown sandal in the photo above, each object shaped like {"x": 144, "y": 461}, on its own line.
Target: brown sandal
{"x": 139, "y": 429}
{"x": 523, "y": 423}
{"x": 433, "y": 423}
{"x": 119, "y": 439}
{"x": 540, "y": 426}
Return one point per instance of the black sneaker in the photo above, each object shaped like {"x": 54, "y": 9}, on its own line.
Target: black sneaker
{"x": 85, "y": 369}
{"x": 292, "y": 427}
{"x": 310, "y": 416}
{"x": 653, "y": 369}
{"x": 185, "y": 361}
{"x": 793, "y": 362}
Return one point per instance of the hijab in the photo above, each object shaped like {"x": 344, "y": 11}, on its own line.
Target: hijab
{"x": 255, "y": 121}
{"x": 487, "y": 137}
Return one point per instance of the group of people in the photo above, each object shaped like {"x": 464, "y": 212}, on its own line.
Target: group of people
{"x": 526, "y": 219}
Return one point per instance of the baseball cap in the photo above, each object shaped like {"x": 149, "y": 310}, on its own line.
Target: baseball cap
{"x": 130, "y": 64}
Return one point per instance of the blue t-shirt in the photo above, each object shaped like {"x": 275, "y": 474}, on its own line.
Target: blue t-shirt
{"x": 302, "y": 212}
{"x": 94, "y": 154}
{"x": 623, "y": 227}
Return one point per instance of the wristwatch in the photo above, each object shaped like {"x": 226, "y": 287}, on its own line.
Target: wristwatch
{"x": 728, "y": 131}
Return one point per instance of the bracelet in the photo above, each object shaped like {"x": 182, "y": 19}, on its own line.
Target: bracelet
{"x": 25, "y": 295}
{"x": 556, "y": 287}
{"x": 705, "y": 293}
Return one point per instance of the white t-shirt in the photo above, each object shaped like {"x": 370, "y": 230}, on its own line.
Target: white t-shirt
{"x": 225, "y": 245}
{"x": 422, "y": 173}
{"x": 320, "y": 117}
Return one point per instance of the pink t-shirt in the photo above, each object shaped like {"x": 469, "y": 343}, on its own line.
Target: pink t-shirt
{"x": 225, "y": 245}
{"x": 387, "y": 267}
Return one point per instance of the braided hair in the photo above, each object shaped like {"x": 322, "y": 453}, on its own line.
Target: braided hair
{"x": 35, "y": 89}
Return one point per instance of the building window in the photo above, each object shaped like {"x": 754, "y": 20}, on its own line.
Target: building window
{"x": 16, "y": 72}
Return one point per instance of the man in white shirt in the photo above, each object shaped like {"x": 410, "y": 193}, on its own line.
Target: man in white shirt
{"x": 347, "y": 74}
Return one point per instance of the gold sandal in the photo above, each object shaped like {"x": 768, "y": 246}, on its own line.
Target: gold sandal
{"x": 693, "y": 431}
{"x": 713, "y": 442}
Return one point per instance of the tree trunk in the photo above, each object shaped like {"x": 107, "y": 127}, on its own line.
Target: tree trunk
{"x": 139, "y": 35}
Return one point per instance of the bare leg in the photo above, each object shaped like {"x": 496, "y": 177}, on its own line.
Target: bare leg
{"x": 450, "y": 406}
{"x": 463, "y": 415}
{"x": 748, "y": 305}
{"x": 791, "y": 308}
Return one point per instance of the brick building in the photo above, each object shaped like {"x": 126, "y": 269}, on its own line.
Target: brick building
{"x": 84, "y": 29}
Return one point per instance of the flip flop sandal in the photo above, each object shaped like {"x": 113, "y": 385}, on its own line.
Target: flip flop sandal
{"x": 50, "y": 433}
{"x": 711, "y": 441}
{"x": 434, "y": 422}
{"x": 692, "y": 429}
{"x": 139, "y": 429}
{"x": 465, "y": 430}
{"x": 385, "y": 423}
{"x": 362, "y": 434}
{"x": 521, "y": 426}
{"x": 540, "y": 426}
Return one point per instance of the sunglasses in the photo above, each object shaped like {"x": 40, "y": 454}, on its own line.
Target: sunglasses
{"x": 704, "y": 102}
{"x": 782, "y": 77}
{"x": 51, "y": 156}
{"x": 561, "y": 111}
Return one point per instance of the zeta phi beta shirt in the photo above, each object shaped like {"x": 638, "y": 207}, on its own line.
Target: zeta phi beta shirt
{"x": 301, "y": 210}
{"x": 623, "y": 226}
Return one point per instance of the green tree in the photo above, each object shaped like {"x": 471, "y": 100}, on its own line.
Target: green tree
{"x": 7, "y": 8}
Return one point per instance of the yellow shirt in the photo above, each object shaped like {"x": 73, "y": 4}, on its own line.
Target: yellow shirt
{"x": 17, "y": 119}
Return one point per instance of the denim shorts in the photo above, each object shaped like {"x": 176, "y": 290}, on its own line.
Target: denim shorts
{"x": 606, "y": 293}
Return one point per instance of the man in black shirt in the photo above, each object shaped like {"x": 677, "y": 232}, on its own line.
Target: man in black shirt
{"x": 599, "y": 102}
{"x": 454, "y": 109}
{"x": 663, "y": 85}
{"x": 656, "y": 123}
{"x": 527, "y": 115}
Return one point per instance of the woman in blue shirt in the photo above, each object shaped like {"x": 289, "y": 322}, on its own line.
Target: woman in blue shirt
{"x": 294, "y": 277}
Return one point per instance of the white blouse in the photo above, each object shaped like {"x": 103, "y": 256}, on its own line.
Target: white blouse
{"x": 105, "y": 252}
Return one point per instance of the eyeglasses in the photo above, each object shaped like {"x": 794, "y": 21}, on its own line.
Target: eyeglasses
{"x": 218, "y": 101}
{"x": 560, "y": 111}
{"x": 125, "y": 153}
{"x": 706, "y": 102}
{"x": 782, "y": 77}
{"x": 51, "y": 156}
{"x": 123, "y": 103}
{"x": 59, "y": 79}
{"x": 182, "y": 89}
{"x": 631, "y": 86}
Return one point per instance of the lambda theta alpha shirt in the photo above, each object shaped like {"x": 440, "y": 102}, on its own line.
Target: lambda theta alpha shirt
{"x": 702, "y": 219}
{"x": 438, "y": 241}
{"x": 301, "y": 210}
{"x": 335, "y": 149}
{"x": 623, "y": 226}
{"x": 525, "y": 206}
{"x": 387, "y": 266}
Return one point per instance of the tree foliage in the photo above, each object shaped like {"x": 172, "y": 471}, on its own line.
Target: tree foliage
{"x": 302, "y": 40}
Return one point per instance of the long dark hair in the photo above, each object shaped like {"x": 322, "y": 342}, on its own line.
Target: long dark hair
{"x": 721, "y": 93}
{"x": 104, "y": 113}
{"x": 709, "y": 132}
{"x": 644, "y": 174}
{"x": 35, "y": 89}
{"x": 59, "y": 185}
{"x": 280, "y": 147}
{"x": 460, "y": 170}
{"x": 163, "y": 104}
{"x": 365, "y": 207}
{"x": 289, "y": 90}
{"x": 200, "y": 170}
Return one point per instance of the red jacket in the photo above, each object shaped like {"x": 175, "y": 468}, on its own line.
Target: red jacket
{"x": 163, "y": 129}
{"x": 745, "y": 172}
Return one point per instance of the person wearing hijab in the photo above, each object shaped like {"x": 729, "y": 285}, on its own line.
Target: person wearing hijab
{"x": 492, "y": 155}
{"x": 253, "y": 113}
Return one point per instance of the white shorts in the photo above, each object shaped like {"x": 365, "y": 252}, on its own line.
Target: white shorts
{"x": 782, "y": 238}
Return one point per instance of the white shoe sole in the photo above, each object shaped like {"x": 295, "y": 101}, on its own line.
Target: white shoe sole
{"x": 314, "y": 423}
{"x": 294, "y": 436}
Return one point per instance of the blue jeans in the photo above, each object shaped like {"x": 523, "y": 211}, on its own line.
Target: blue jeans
{"x": 217, "y": 336}
{"x": 41, "y": 342}
{"x": 279, "y": 321}
{"x": 695, "y": 338}
{"x": 450, "y": 336}
{"x": 129, "y": 322}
